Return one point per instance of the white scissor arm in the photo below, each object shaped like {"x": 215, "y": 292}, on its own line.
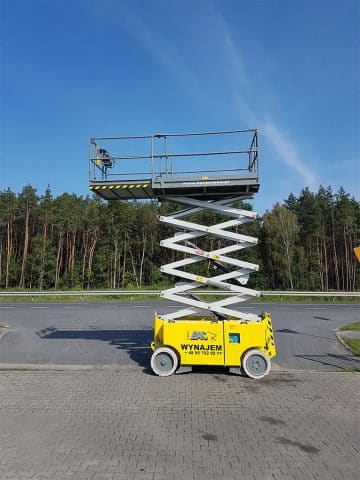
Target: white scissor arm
{"x": 232, "y": 269}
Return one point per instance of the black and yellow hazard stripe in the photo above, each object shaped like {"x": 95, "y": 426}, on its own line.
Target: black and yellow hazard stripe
{"x": 111, "y": 187}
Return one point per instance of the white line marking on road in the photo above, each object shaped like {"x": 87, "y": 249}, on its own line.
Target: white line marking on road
{"x": 153, "y": 307}
{"x": 39, "y": 307}
{"x": 6, "y": 307}
{"x": 316, "y": 308}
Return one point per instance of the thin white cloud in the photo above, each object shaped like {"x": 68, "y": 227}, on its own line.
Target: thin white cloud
{"x": 288, "y": 153}
{"x": 234, "y": 59}
{"x": 283, "y": 146}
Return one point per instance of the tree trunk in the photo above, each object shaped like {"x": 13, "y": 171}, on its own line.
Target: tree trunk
{"x": 124, "y": 265}
{"x": 115, "y": 263}
{"x": 118, "y": 276}
{"x": 336, "y": 263}
{"x": 1, "y": 261}
{"x": 9, "y": 250}
{"x": 287, "y": 249}
{"x": 321, "y": 273}
{"x": 326, "y": 265}
{"x": 142, "y": 260}
{"x": 91, "y": 256}
{"x": 26, "y": 247}
{"x": 41, "y": 280}
{"x": 133, "y": 265}
{"x": 72, "y": 256}
{"x": 85, "y": 246}
{"x": 58, "y": 260}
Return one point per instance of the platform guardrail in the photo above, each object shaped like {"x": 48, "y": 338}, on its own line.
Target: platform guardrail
{"x": 154, "y": 155}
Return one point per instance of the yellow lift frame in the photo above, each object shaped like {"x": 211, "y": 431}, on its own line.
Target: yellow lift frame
{"x": 240, "y": 340}
{"x": 178, "y": 345}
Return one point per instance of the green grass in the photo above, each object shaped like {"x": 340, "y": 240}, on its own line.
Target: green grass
{"x": 351, "y": 326}
{"x": 353, "y": 344}
{"x": 129, "y": 297}
{"x": 315, "y": 299}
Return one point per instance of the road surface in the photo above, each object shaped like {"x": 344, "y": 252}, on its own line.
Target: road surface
{"x": 119, "y": 333}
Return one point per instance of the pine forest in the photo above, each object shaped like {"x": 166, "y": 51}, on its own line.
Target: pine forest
{"x": 72, "y": 242}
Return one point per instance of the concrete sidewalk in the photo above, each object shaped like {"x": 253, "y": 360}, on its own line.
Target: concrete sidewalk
{"x": 349, "y": 333}
{"x": 123, "y": 423}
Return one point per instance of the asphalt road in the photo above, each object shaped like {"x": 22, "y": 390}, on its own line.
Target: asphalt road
{"x": 119, "y": 333}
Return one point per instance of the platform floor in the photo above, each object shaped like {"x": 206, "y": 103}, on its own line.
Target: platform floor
{"x": 195, "y": 187}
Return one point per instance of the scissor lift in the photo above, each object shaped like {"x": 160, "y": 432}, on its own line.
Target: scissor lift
{"x": 205, "y": 332}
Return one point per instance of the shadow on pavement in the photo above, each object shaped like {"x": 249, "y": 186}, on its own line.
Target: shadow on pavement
{"x": 333, "y": 360}
{"x": 287, "y": 330}
{"x": 135, "y": 341}
{"x": 327, "y": 319}
{"x": 294, "y": 332}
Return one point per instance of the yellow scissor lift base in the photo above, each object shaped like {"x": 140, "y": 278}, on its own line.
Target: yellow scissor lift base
{"x": 242, "y": 346}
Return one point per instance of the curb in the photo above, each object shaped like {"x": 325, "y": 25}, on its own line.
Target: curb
{"x": 62, "y": 368}
{"x": 43, "y": 367}
{"x": 340, "y": 339}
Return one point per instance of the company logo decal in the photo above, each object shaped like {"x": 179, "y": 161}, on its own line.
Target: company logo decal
{"x": 201, "y": 335}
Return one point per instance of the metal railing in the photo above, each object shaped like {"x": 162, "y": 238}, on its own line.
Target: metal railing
{"x": 162, "y": 160}
{"x": 84, "y": 293}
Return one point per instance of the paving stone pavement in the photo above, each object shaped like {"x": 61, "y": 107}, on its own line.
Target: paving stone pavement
{"x": 124, "y": 423}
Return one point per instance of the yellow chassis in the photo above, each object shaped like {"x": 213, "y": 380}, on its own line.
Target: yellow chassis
{"x": 207, "y": 341}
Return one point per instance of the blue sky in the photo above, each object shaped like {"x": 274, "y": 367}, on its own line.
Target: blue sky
{"x": 76, "y": 69}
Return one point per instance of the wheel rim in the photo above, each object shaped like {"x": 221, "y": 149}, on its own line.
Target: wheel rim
{"x": 163, "y": 362}
{"x": 257, "y": 365}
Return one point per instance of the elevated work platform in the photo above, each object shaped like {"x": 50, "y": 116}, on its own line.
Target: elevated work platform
{"x": 170, "y": 167}
{"x": 210, "y": 165}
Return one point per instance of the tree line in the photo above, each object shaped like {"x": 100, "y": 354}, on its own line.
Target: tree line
{"x": 72, "y": 242}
